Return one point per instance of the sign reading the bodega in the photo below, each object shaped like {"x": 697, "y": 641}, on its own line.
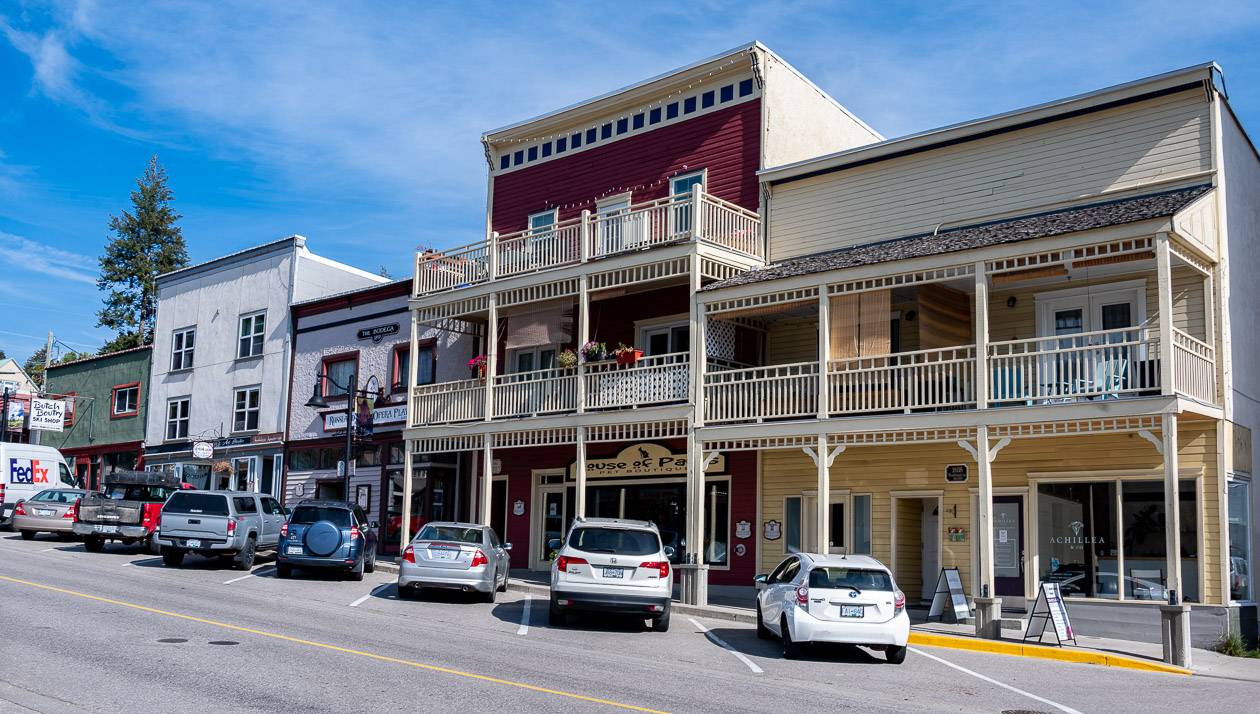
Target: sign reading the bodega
{"x": 379, "y": 332}
{"x": 643, "y": 460}
{"x": 47, "y": 415}
{"x": 27, "y": 471}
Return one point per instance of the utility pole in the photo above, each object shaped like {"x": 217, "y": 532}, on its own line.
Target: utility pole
{"x": 4, "y": 414}
{"x": 43, "y": 384}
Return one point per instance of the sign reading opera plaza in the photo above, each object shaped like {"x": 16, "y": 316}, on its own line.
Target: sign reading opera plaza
{"x": 380, "y": 415}
{"x": 643, "y": 460}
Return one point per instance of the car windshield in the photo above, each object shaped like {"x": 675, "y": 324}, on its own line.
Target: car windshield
{"x": 619, "y": 541}
{"x": 206, "y": 504}
{"x": 859, "y": 578}
{"x": 339, "y": 517}
{"x": 54, "y": 496}
{"x": 454, "y": 534}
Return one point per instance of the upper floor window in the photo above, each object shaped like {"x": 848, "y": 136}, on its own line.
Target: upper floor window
{"x": 528, "y": 359}
{"x": 541, "y": 223}
{"x": 665, "y": 337}
{"x": 250, "y": 343}
{"x": 402, "y": 366}
{"x": 245, "y": 411}
{"x": 336, "y": 375}
{"x": 182, "y": 344}
{"x": 126, "y": 400}
{"x": 177, "y": 418}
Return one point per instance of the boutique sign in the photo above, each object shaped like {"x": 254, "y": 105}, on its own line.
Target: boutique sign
{"x": 644, "y": 460}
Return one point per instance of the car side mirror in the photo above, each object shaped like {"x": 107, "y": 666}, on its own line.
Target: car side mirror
{"x": 554, "y": 544}
{"x": 373, "y": 525}
{"x": 669, "y": 551}
{"x": 507, "y": 546}
{"x": 761, "y": 580}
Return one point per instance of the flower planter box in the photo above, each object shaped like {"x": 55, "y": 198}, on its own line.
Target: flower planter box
{"x": 630, "y": 357}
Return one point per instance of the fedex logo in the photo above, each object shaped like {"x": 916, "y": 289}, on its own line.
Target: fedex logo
{"x": 27, "y": 471}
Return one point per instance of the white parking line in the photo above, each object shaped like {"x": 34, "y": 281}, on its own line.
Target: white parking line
{"x": 250, "y": 574}
{"x": 722, "y": 643}
{"x": 524, "y": 628}
{"x": 990, "y": 680}
{"x": 47, "y": 549}
{"x": 363, "y": 599}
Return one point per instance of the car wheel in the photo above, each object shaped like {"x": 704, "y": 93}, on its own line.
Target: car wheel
{"x": 172, "y": 557}
{"x": 895, "y": 655}
{"x": 370, "y": 566}
{"x": 28, "y": 535}
{"x": 791, "y": 648}
{"x": 283, "y": 571}
{"x": 245, "y": 558}
{"x": 503, "y": 587}
{"x": 556, "y": 616}
{"x": 151, "y": 545}
{"x": 94, "y": 544}
{"x": 763, "y": 632}
{"x": 493, "y": 595}
{"x": 661, "y": 624}
{"x": 356, "y": 573}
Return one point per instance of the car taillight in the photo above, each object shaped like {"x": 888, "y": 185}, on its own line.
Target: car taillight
{"x": 479, "y": 558}
{"x": 19, "y": 511}
{"x": 564, "y": 561}
{"x": 409, "y": 555}
{"x": 284, "y": 530}
{"x": 74, "y": 510}
{"x": 231, "y": 526}
{"x": 802, "y": 597}
{"x": 899, "y": 602}
{"x": 354, "y": 532}
{"x": 662, "y": 567}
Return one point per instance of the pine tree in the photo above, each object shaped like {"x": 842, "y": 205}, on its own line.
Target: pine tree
{"x": 146, "y": 244}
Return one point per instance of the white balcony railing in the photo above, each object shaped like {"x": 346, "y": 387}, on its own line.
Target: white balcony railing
{"x": 756, "y": 393}
{"x": 643, "y": 225}
{"x": 906, "y": 381}
{"x": 543, "y": 391}
{"x": 447, "y": 402}
{"x": 1104, "y": 364}
{"x": 658, "y": 379}
{"x": 1194, "y": 367}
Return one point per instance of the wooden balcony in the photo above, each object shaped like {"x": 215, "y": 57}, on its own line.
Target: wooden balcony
{"x": 686, "y": 217}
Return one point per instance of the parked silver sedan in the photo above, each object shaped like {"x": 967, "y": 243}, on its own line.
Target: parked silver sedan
{"x": 459, "y": 556}
{"x": 49, "y": 511}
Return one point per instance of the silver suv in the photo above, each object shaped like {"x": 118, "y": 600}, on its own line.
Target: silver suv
{"x": 219, "y": 523}
{"x": 612, "y": 565}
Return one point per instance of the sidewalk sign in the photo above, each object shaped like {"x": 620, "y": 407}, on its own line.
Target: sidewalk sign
{"x": 949, "y": 584}
{"x": 1050, "y": 608}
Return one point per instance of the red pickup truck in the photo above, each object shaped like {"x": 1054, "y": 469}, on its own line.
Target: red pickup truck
{"x": 128, "y": 508}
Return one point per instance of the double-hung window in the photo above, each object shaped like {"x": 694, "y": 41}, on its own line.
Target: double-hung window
{"x": 177, "y": 418}
{"x": 250, "y": 343}
{"x": 245, "y": 412}
{"x": 337, "y": 373}
{"x": 182, "y": 344}
{"x": 126, "y": 400}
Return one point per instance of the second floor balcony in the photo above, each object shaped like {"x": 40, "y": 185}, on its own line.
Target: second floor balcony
{"x": 687, "y": 217}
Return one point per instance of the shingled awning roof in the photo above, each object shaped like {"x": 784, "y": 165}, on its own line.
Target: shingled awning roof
{"x": 1011, "y": 230}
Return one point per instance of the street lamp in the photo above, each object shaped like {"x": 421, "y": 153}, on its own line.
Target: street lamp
{"x": 352, "y": 391}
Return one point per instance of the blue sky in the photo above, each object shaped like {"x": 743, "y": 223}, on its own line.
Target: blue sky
{"x": 357, "y": 124}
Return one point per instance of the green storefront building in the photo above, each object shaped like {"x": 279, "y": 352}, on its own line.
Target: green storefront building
{"x": 104, "y": 429}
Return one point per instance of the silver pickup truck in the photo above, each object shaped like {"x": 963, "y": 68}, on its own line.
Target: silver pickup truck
{"x": 233, "y": 524}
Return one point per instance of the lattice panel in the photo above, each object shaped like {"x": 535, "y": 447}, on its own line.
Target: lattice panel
{"x": 901, "y": 436}
{"x": 637, "y": 431}
{"x": 636, "y": 274}
{"x": 534, "y": 437}
{"x": 718, "y": 270}
{"x": 884, "y": 282}
{"x": 719, "y": 340}
{"x": 1190, "y": 258}
{"x": 1084, "y": 253}
{"x": 769, "y": 300}
{"x": 446, "y": 444}
{"x": 538, "y": 292}
{"x": 456, "y": 308}
{"x": 1109, "y": 425}
{"x": 761, "y": 443}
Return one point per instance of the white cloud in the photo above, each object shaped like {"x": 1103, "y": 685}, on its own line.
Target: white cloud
{"x": 28, "y": 256}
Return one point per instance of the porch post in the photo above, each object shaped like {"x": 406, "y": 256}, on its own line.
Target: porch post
{"x": 1175, "y": 615}
{"x": 982, "y": 336}
{"x": 695, "y": 575}
{"x": 988, "y": 605}
{"x": 487, "y": 479}
{"x": 584, "y": 236}
{"x": 579, "y": 469}
{"x": 1163, "y": 277}
{"x": 492, "y": 353}
{"x": 405, "y": 532}
{"x": 824, "y": 356}
{"x": 583, "y": 334}
{"x": 823, "y": 502}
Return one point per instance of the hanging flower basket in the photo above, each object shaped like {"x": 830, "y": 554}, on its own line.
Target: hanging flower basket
{"x": 594, "y": 352}
{"x": 477, "y": 365}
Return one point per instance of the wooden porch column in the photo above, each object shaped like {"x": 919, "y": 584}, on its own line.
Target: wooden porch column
{"x": 1163, "y": 277}
{"x": 408, "y": 463}
{"x": 982, "y": 337}
{"x": 579, "y": 468}
{"x": 824, "y": 356}
{"x": 487, "y": 479}
{"x": 823, "y": 502}
{"x": 988, "y": 605}
{"x": 583, "y": 334}
{"x": 1175, "y": 615}
{"x": 492, "y": 353}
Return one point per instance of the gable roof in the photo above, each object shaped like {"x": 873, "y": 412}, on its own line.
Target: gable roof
{"x": 1011, "y": 230}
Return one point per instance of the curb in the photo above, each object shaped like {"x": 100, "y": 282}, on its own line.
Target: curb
{"x": 1043, "y": 652}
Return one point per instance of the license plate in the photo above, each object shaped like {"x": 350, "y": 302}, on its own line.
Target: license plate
{"x": 852, "y": 611}
{"x": 294, "y": 550}
{"x": 443, "y": 553}
{"x": 105, "y": 529}
{"x": 194, "y": 543}
{"x": 613, "y": 572}
{"x": 43, "y": 512}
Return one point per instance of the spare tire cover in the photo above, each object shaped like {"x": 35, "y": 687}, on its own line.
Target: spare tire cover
{"x": 323, "y": 538}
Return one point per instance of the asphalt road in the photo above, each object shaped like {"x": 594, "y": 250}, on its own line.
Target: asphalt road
{"x": 117, "y": 631}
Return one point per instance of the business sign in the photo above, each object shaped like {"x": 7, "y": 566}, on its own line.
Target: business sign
{"x": 643, "y": 460}
{"x": 202, "y": 450}
{"x": 228, "y": 441}
{"x": 949, "y": 595}
{"x": 17, "y": 416}
{"x": 1050, "y": 609}
{"x": 956, "y": 473}
{"x": 379, "y": 332}
{"x": 8, "y": 385}
{"x": 29, "y": 471}
{"x": 336, "y": 421}
{"x": 47, "y": 415}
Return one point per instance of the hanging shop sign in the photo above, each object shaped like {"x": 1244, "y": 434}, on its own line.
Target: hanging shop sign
{"x": 773, "y": 530}
{"x": 379, "y": 332}
{"x": 16, "y": 418}
{"x": 47, "y": 415}
{"x": 202, "y": 450}
{"x": 644, "y": 460}
{"x": 518, "y": 508}
{"x": 743, "y": 529}
{"x": 956, "y": 473}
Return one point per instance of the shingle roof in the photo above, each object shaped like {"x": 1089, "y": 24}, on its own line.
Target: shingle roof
{"x": 1011, "y": 230}
{"x": 103, "y": 355}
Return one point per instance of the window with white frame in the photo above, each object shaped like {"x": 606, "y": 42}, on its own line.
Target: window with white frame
{"x": 1240, "y": 582}
{"x": 182, "y": 344}
{"x": 245, "y": 410}
{"x": 177, "y": 418}
{"x": 660, "y": 337}
{"x": 250, "y": 343}
{"x": 126, "y": 400}
{"x": 528, "y": 359}
{"x": 541, "y": 223}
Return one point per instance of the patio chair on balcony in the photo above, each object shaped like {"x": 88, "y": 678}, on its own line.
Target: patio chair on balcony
{"x": 1009, "y": 386}
{"x": 1108, "y": 381}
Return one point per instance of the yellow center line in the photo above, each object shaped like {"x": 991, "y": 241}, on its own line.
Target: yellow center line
{"x": 335, "y": 648}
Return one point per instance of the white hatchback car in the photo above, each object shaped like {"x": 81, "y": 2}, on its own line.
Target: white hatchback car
{"x": 848, "y": 599}
{"x": 612, "y": 565}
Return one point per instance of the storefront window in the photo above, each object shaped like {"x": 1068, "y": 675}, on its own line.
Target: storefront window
{"x": 1077, "y": 532}
{"x": 304, "y": 459}
{"x": 1240, "y": 583}
{"x": 396, "y": 453}
{"x": 862, "y": 525}
{"x": 664, "y": 505}
{"x": 196, "y": 474}
{"x": 368, "y": 456}
{"x": 717, "y": 523}
{"x": 792, "y": 524}
{"x": 1145, "y": 551}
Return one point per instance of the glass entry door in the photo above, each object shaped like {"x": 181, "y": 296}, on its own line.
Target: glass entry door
{"x": 552, "y": 521}
{"x": 1008, "y": 546}
{"x": 244, "y": 476}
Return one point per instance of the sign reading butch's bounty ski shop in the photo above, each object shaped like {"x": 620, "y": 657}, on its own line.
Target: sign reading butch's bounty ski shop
{"x": 47, "y": 415}
{"x": 644, "y": 460}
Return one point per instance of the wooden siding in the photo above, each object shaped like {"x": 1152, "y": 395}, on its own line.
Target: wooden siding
{"x": 792, "y": 341}
{"x": 726, "y": 143}
{"x": 1120, "y": 148}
